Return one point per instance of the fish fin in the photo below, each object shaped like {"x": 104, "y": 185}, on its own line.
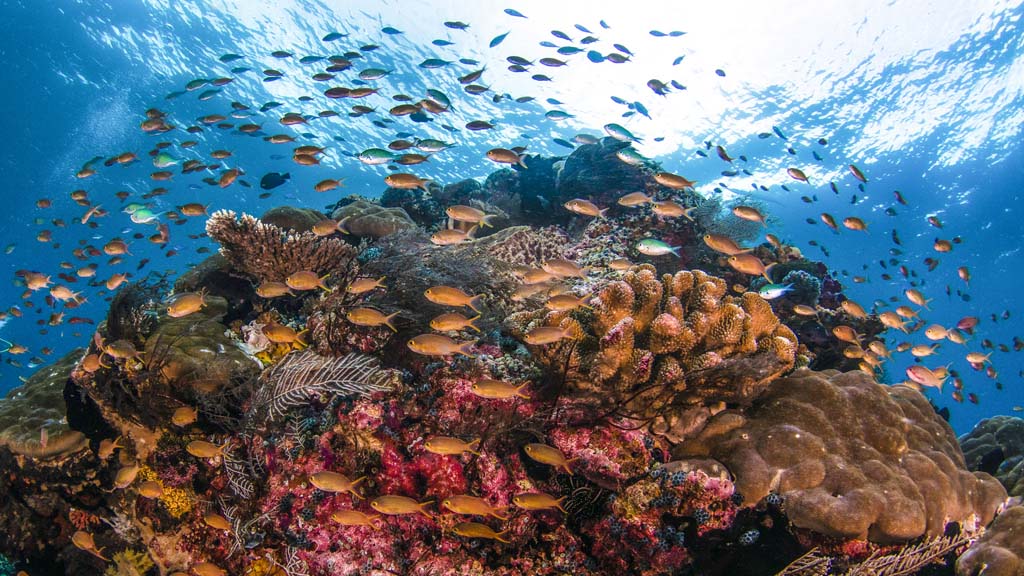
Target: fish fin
{"x": 519, "y": 391}
{"x": 486, "y": 220}
{"x": 470, "y": 322}
{"x": 472, "y": 231}
{"x": 500, "y": 536}
{"x": 465, "y": 348}
{"x": 379, "y": 280}
{"x": 522, "y": 161}
{"x": 473, "y": 445}
{"x": 358, "y": 480}
{"x": 388, "y": 319}
{"x": 474, "y": 302}
{"x": 602, "y": 213}
{"x": 341, "y": 225}
{"x": 675, "y": 250}
{"x": 767, "y": 272}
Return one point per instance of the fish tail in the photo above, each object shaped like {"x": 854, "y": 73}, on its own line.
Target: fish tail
{"x": 675, "y": 250}
{"x": 767, "y": 272}
{"x": 520, "y": 393}
{"x": 499, "y": 516}
{"x": 380, "y": 280}
{"x": 522, "y": 161}
{"x": 500, "y": 536}
{"x": 465, "y": 349}
{"x": 473, "y": 446}
{"x": 602, "y": 213}
{"x": 558, "y": 504}
{"x": 341, "y": 225}
{"x": 475, "y": 302}
{"x": 470, "y": 322}
{"x": 472, "y": 231}
{"x": 486, "y": 220}
{"x": 388, "y": 319}
{"x": 358, "y": 480}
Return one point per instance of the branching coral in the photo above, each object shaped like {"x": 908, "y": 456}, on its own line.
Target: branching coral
{"x": 851, "y": 458}
{"x": 266, "y": 252}
{"x": 651, "y": 346}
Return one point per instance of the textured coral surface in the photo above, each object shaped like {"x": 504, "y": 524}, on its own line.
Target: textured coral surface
{"x": 1000, "y": 551}
{"x": 996, "y": 446}
{"x": 851, "y": 458}
{"x": 32, "y": 416}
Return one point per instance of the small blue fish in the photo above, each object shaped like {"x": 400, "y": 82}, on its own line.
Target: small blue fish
{"x": 569, "y": 50}
{"x": 442, "y": 43}
{"x": 391, "y": 31}
{"x": 332, "y": 36}
{"x": 547, "y": 44}
{"x": 773, "y": 291}
{"x": 595, "y": 56}
{"x": 583, "y": 29}
{"x": 604, "y": 25}
{"x": 514, "y": 12}
{"x": 498, "y": 39}
{"x": 678, "y": 60}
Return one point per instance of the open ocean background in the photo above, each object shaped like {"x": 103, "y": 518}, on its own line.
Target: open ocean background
{"x": 926, "y": 97}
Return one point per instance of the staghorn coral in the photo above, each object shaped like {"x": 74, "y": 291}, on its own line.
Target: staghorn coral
{"x": 851, "y": 458}
{"x": 368, "y": 219}
{"x": 996, "y": 446}
{"x": 653, "y": 346}
{"x": 32, "y": 416}
{"x": 266, "y": 252}
{"x": 1000, "y": 551}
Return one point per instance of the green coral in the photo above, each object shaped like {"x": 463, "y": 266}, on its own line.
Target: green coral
{"x": 129, "y": 563}
{"x": 39, "y": 405}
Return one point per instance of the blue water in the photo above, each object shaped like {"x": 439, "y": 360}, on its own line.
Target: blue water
{"x": 925, "y": 97}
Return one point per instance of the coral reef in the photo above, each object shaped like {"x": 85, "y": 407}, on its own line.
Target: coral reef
{"x": 1000, "y": 551}
{"x": 996, "y": 446}
{"x": 850, "y": 458}
{"x": 266, "y": 252}
{"x": 652, "y": 347}
{"x": 32, "y": 416}
{"x": 367, "y": 219}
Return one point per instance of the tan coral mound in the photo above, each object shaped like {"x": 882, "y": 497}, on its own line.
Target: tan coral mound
{"x": 37, "y": 405}
{"x": 365, "y": 218}
{"x": 851, "y": 458}
{"x": 660, "y": 345}
{"x": 266, "y": 252}
{"x": 1000, "y": 551}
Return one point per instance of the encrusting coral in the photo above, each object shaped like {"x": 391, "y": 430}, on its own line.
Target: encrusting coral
{"x": 849, "y": 458}
{"x": 266, "y": 252}
{"x": 654, "y": 346}
{"x": 1000, "y": 551}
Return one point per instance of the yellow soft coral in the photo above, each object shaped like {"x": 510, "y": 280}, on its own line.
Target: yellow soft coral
{"x": 264, "y": 567}
{"x": 129, "y": 563}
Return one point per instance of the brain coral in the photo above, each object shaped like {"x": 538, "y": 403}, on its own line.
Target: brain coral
{"x": 1000, "y": 551}
{"x": 996, "y": 446}
{"x": 37, "y": 405}
{"x": 659, "y": 344}
{"x": 851, "y": 458}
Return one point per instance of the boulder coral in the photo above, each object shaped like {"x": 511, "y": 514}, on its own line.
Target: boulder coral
{"x": 32, "y": 416}
{"x": 368, "y": 219}
{"x": 1000, "y": 551}
{"x": 850, "y": 458}
{"x": 656, "y": 346}
{"x": 996, "y": 446}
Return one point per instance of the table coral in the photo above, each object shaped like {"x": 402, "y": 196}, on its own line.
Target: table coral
{"x": 1000, "y": 551}
{"x": 850, "y": 458}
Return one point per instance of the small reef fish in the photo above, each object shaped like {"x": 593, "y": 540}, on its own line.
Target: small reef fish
{"x": 448, "y": 296}
{"x": 585, "y": 208}
{"x": 439, "y": 345}
{"x": 400, "y": 505}
{"x": 335, "y": 483}
{"x": 673, "y": 181}
{"x": 208, "y": 569}
{"x": 273, "y": 290}
{"x": 926, "y": 377}
{"x": 184, "y": 416}
{"x": 655, "y": 247}
{"x": 406, "y": 182}
{"x": 204, "y": 449}
{"x": 506, "y": 156}
{"x": 634, "y": 199}
{"x": 449, "y": 446}
{"x": 453, "y": 321}
{"x": 471, "y": 506}
{"x": 216, "y": 521}
{"x": 804, "y": 310}
{"x": 670, "y": 209}
{"x": 538, "y": 501}
{"x": 306, "y": 280}
{"x": 853, "y": 309}
{"x": 548, "y": 455}
{"x": 452, "y": 236}
{"x": 750, "y": 214}
{"x": 151, "y": 489}
{"x": 371, "y": 318}
{"x": 773, "y": 291}
{"x": 186, "y": 303}
{"x": 563, "y": 268}
{"x": 499, "y": 389}
{"x": 85, "y": 542}
{"x": 750, "y": 264}
{"x": 126, "y": 476}
{"x": 364, "y": 285}
{"x": 723, "y": 244}
{"x": 547, "y": 335}
{"x": 564, "y": 302}
{"x": 357, "y": 518}
{"x": 470, "y": 215}
{"x": 477, "y": 530}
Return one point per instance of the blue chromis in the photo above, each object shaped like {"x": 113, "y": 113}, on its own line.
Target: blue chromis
{"x": 655, "y": 247}
{"x": 773, "y": 291}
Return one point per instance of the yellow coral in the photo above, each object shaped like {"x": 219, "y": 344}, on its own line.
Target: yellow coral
{"x": 264, "y": 567}
{"x": 177, "y": 501}
{"x": 129, "y": 563}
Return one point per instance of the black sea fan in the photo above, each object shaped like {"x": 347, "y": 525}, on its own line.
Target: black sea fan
{"x": 303, "y": 376}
